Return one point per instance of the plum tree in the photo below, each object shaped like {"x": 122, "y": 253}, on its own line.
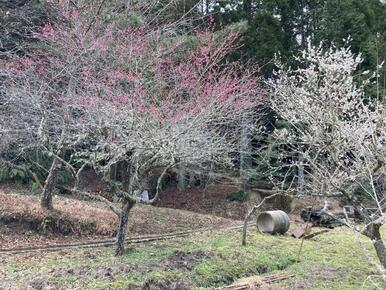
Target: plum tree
{"x": 337, "y": 129}
{"x": 102, "y": 95}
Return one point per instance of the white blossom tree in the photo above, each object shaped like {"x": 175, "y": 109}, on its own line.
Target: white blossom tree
{"x": 338, "y": 130}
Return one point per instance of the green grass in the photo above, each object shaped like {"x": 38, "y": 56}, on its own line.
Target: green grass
{"x": 334, "y": 260}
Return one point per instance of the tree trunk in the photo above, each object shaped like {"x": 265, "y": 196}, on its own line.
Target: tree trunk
{"x": 50, "y": 183}
{"x": 245, "y": 153}
{"x": 374, "y": 234}
{"x": 181, "y": 178}
{"x": 192, "y": 178}
{"x": 301, "y": 180}
{"x": 123, "y": 220}
{"x": 206, "y": 175}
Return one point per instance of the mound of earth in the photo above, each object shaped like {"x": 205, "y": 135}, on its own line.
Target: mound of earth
{"x": 212, "y": 200}
{"x": 23, "y": 221}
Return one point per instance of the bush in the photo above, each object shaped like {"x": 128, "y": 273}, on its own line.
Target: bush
{"x": 240, "y": 196}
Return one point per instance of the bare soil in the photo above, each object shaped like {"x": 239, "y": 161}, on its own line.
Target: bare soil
{"x": 165, "y": 285}
{"x": 182, "y": 260}
{"x": 212, "y": 200}
{"x": 23, "y": 222}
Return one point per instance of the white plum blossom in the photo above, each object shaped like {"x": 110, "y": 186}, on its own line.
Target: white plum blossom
{"x": 336, "y": 128}
{"x": 330, "y": 115}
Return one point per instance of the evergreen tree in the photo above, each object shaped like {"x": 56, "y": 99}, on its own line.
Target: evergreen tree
{"x": 263, "y": 39}
{"x": 365, "y": 23}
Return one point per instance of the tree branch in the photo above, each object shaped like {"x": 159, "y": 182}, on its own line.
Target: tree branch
{"x": 95, "y": 197}
{"x": 159, "y": 184}
{"x": 251, "y": 212}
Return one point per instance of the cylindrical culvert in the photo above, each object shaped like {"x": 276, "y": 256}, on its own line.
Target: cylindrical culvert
{"x": 273, "y": 222}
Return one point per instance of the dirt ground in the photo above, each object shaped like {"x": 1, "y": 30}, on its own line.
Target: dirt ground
{"x": 24, "y": 222}
{"x": 213, "y": 200}
{"x": 209, "y": 201}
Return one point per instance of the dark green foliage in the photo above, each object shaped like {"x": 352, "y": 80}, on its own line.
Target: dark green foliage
{"x": 18, "y": 175}
{"x": 283, "y": 26}
{"x": 264, "y": 39}
{"x": 270, "y": 28}
{"x": 18, "y": 18}
{"x": 228, "y": 12}
{"x": 237, "y": 196}
{"x": 365, "y": 23}
{"x": 30, "y": 169}
{"x": 130, "y": 19}
{"x": 272, "y": 160}
{"x": 21, "y": 175}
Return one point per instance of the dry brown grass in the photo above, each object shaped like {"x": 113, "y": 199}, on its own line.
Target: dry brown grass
{"x": 23, "y": 215}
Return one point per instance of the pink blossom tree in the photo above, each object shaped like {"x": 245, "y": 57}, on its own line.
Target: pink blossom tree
{"x": 135, "y": 96}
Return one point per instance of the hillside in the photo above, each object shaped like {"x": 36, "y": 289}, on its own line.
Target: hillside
{"x": 24, "y": 222}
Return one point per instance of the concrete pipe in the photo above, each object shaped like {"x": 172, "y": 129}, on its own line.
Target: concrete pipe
{"x": 273, "y": 222}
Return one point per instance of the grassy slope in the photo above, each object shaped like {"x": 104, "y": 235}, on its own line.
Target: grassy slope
{"x": 331, "y": 261}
